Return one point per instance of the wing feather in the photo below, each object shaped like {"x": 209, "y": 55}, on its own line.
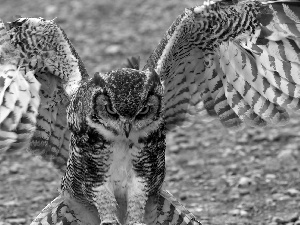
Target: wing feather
{"x": 39, "y": 72}
{"x": 238, "y": 104}
{"x": 240, "y": 59}
{"x": 226, "y": 114}
{"x": 18, "y": 94}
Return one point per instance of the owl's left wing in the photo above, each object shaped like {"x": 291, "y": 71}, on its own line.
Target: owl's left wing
{"x": 39, "y": 72}
{"x": 239, "y": 61}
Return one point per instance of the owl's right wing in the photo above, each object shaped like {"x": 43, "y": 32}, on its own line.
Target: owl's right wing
{"x": 39, "y": 72}
{"x": 239, "y": 60}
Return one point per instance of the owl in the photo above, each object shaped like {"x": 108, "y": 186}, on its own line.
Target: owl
{"x": 237, "y": 61}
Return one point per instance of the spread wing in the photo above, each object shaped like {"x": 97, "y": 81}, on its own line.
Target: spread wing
{"x": 239, "y": 61}
{"x": 39, "y": 72}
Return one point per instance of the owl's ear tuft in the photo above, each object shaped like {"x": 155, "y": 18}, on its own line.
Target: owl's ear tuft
{"x": 154, "y": 76}
{"x": 133, "y": 63}
{"x": 154, "y": 82}
{"x": 98, "y": 80}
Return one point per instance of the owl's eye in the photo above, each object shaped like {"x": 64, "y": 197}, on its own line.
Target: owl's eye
{"x": 144, "y": 110}
{"x": 110, "y": 110}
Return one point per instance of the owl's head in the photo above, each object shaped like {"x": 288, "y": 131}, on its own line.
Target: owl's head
{"x": 126, "y": 102}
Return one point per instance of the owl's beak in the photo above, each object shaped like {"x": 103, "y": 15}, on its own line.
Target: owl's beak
{"x": 127, "y": 128}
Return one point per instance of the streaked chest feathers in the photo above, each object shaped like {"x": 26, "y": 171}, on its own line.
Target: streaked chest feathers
{"x": 121, "y": 173}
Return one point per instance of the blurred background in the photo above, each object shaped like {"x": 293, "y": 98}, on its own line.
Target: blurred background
{"x": 247, "y": 177}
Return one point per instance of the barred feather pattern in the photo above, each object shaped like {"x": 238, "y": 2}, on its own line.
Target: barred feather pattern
{"x": 63, "y": 210}
{"x": 19, "y": 98}
{"x": 239, "y": 61}
{"x": 46, "y": 58}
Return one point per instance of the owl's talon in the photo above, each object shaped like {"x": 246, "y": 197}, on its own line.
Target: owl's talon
{"x": 109, "y": 222}
{"x": 136, "y": 224}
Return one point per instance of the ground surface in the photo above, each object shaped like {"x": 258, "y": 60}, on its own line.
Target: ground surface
{"x": 249, "y": 177}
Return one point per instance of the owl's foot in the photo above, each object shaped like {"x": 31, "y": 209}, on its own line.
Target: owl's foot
{"x": 109, "y": 222}
{"x": 136, "y": 224}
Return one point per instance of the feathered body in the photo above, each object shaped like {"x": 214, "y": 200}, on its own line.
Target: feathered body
{"x": 236, "y": 60}
{"x": 115, "y": 172}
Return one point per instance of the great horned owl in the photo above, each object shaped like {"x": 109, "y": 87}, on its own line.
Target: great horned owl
{"x": 239, "y": 61}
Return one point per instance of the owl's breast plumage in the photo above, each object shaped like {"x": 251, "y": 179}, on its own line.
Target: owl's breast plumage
{"x": 121, "y": 179}
{"x": 121, "y": 173}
